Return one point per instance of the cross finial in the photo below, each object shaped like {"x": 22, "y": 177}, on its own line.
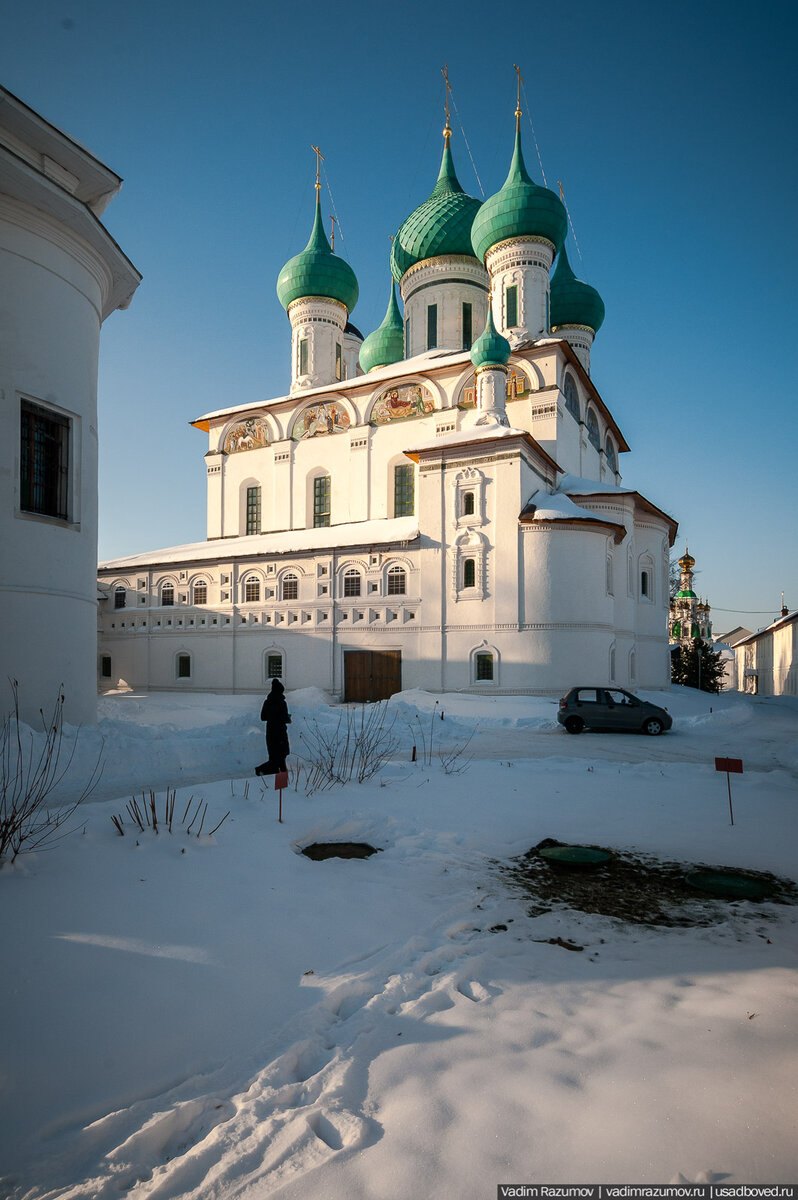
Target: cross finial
{"x": 319, "y": 160}
{"x": 447, "y": 129}
{"x": 518, "y": 101}
{"x": 333, "y": 220}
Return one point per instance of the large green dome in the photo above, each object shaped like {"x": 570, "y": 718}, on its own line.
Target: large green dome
{"x": 490, "y": 349}
{"x": 520, "y": 208}
{"x": 441, "y": 225}
{"x": 317, "y": 272}
{"x": 572, "y": 301}
{"x": 386, "y": 344}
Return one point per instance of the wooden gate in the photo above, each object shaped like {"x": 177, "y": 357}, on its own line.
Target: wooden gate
{"x": 371, "y": 674}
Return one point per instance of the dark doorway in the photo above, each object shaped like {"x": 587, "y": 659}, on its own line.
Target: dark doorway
{"x": 371, "y": 674}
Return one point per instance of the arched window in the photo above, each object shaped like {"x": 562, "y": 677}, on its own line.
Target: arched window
{"x": 290, "y": 587}
{"x": 468, "y": 504}
{"x": 593, "y": 435}
{"x": 168, "y": 595}
{"x": 404, "y": 500}
{"x": 484, "y": 666}
{"x": 183, "y": 666}
{"x": 253, "y": 510}
{"x": 251, "y": 590}
{"x": 571, "y": 397}
{"x": 397, "y": 581}
{"x": 200, "y": 592}
{"x": 120, "y": 596}
{"x": 645, "y": 585}
{"x": 274, "y": 665}
{"x": 321, "y": 501}
{"x": 612, "y": 457}
{"x": 351, "y": 582}
{"x": 469, "y": 573}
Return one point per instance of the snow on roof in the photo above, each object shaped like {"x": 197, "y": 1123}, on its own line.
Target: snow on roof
{"x": 771, "y": 628}
{"x": 408, "y": 366}
{"x": 477, "y": 433}
{"x": 397, "y": 529}
{"x": 576, "y": 485}
{"x": 559, "y": 507}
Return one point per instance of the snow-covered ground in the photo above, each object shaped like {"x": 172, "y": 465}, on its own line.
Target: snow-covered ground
{"x": 218, "y": 1016}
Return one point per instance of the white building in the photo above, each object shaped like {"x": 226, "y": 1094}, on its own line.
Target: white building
{"x": 421, "y": 509}
{"x": 61, "y": 274}
{"x": 767, "y": 662}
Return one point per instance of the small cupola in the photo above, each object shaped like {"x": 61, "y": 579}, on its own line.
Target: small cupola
{"x": 386, "y": 344}
{"x": 577, "y": 310}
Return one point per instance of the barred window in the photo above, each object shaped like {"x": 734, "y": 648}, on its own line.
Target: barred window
{"x": 469, "y": 573}
{"x": 201, "y": 592}
{"x": 397, "y": 581}
{"x": 44, "y": 462}
{"x": 274, "y": 666}
{"x": 404, "y": 499}
{"x": 351, "y": 582}
{"x": 253, "y": 510}
{"x": 321, "y": 501}
{"x": 168, "y": 595}
{"x": 252, "y": 590}
{"x": 184, "y": 666}
{"x": 484, "y": 666}
{"x": 290, "y": 587}
{"x": 468, "y": 504}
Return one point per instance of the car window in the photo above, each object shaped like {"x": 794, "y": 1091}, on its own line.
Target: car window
{"x": 620, "y": 698}
{"x": 588, "y": 696}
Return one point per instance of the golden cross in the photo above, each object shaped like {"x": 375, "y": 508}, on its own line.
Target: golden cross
{"x": 332, "y": 231}
{"x": 518, "y": 102}
{"x": 445, "y": 72}
{"x": 319, "y": 157}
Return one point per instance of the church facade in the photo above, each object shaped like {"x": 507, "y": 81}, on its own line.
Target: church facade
{"x": 438, "y": 505}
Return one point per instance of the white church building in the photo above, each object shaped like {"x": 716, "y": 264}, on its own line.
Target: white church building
{"x": 437, "y": 506}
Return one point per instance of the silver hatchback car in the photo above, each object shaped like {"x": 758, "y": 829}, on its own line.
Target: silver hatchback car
{"x": 610, "y": 708}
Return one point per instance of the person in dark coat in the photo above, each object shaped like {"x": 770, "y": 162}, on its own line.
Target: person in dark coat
{"x": 275, "y": 714}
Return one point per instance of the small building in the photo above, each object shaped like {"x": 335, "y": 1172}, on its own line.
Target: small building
{"x": 725, "y": 642}
{"x": 61, "y": 275}
{"x": 767, "y": 662}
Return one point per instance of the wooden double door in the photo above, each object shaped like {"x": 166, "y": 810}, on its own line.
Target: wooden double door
{"x": 371, "y": 675}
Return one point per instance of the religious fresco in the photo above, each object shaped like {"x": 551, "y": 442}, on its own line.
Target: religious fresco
{"x": 251, "y": 434}
{"x": 406, "y": 400}
{"x": 517, "y": 389}
{"x": 320, "y": 419}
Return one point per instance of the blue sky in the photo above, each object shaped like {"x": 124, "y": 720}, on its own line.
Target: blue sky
{"x": 670, "y": 126}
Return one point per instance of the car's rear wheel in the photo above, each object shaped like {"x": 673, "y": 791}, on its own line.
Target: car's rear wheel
{"x": 652, "y": 726}
{"x": 574, "y": 724}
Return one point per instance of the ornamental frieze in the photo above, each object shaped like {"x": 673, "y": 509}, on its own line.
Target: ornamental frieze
{"x": 518, "y": 388}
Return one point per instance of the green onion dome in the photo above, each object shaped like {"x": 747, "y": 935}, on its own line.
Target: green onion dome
{"x": 441, "y": 225}
{"x": 490, "y": 349}
{"x": 386, "y": 344}
{"x": 520, "y": 208}
{"x": 574, "y": 302}
{"x": 686, "y": 595}
{"x": 317, "y": 271}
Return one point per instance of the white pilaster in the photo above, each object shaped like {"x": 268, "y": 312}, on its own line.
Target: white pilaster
{"x": 525, "y": 264}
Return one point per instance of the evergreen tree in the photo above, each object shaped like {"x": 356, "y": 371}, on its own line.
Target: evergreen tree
{"x": 698, "y": 666}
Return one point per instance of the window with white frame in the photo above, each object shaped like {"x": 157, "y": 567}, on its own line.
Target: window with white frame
{"x": 468, "y": 504}
{"x": 321, "y": 501}
{"x": 593, "y": 435}
{"x": 253, "y": 510}
{"x": 183, "y": 666}
{"x": 404, "y": 500}
{"x": 200, "y": 592}
{"x": 44, "y": 461}
{"x": 120, "y": 596}
{"x": 252, "y": 589}
{"x": 469, "y": 573}
{"x": 274, "y": 665}
{"x": 289, "y": 587}
{"x": 571, "y": 394}
{"x": 483, "y": 666}
{"x": 612, "y": 457}
{"x": 609, "y": 575}
{"x": 397, "y": 580}
{"x": 167, "y": 595}
{"x": 352, "y": 582}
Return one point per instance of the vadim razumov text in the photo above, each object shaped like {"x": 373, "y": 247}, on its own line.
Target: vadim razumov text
{"x": 632, "y": 1191}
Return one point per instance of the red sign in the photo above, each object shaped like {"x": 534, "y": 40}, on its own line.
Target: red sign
{"x": 734, "y": 766}
{"x": 281, "y": 779}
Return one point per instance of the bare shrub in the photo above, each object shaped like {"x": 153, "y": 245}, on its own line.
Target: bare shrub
{"x": 28, "y": 775}
{"x": 149, "y": 813}
{"x": 359, "y": 745}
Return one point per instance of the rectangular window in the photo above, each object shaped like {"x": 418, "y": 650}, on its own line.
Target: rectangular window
{"x": 404, "y": 500}
{"x": 303, "y": 356}
{"x": 44, "y": 462}
{"x": 321, "y": 501}
{"x": 484, "y": 666}
{"x": 467, "y": 339}
{"x": 253, "y": 510}
{"x": 645, "y": 586}
{"x": 432, "y": 326}
{"x": 184, "y": 666}
{"x": 512, "y": 306}
{"x": 339, "y": 361}
{"x": 274, "y": 666}
{"x": 105, "y": 666}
